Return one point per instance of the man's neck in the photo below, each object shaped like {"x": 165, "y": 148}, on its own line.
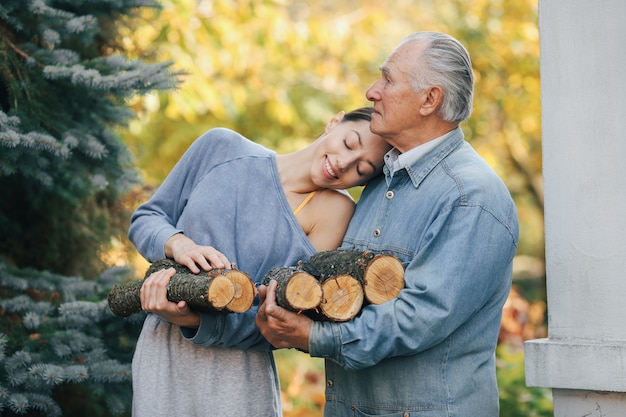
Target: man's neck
{"x": 418, "y": 136}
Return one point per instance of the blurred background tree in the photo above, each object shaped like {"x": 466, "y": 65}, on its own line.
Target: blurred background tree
{"x": 64, "y": 82}
{"x": 64, "y": 86}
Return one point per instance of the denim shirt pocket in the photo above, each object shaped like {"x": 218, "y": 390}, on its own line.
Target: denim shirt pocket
{"x": 359, "y": 413}
{"x": 369, "y": 412}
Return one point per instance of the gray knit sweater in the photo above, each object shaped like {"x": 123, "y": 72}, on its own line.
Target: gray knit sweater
{"x": 224, "y": 192}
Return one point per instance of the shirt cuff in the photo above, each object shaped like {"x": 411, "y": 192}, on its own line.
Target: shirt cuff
{"x": 158, "y": 250}
{"x": 202, "y": 335}
{"x": 325, "y": 340}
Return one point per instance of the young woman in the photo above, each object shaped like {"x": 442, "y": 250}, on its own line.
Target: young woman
{"x": 230, "y": 200}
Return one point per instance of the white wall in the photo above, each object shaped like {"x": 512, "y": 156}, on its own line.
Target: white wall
{"x": 583, "y": 82}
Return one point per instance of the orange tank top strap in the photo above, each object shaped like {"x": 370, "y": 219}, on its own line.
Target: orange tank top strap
{"x": 304, "y": 203}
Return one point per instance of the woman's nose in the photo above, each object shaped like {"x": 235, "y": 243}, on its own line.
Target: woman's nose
{"x": 347, "y": 162}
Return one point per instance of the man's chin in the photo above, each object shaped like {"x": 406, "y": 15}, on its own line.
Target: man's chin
{"x": 375, "y": 128}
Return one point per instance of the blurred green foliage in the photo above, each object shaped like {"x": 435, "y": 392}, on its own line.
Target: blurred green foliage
{"x": 516, "y": 399}
{"x": 276, "y": 71}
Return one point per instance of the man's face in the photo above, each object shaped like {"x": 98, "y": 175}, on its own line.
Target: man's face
{"x": 396, "y": 103}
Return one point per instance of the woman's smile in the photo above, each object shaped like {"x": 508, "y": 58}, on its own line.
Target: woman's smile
{"x": 328, "y": 170}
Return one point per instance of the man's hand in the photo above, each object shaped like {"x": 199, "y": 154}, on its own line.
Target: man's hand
{"x": 281, "y": 327}
{"x": 153, "y": 295}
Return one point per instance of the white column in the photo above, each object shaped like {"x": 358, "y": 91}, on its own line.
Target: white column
{"x": 583, "y": 88}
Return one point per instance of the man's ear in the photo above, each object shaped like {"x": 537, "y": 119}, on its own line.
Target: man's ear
{"x": 432, "y": 99}
{"x": 334, "y": 120}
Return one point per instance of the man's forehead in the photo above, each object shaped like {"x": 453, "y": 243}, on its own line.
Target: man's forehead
{"x": 390, "y": 63}
{"x": 399, "y": 61}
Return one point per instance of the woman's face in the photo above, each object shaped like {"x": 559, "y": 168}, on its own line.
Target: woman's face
{"x": 349, "y": 154}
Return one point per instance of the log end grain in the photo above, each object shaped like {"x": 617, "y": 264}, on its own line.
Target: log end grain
{"x": 342, "y": 298}
{"x": 303, "y": 291}
{"x": 220, "y": 292}
{"x": 383, "y": 279}
{"x": 245, "y": 291}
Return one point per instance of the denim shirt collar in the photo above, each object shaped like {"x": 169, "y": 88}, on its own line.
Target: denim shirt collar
{"x": 422, "y": 166}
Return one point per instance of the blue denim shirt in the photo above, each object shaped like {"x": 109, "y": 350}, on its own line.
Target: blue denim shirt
{"x": 431, "y": 351}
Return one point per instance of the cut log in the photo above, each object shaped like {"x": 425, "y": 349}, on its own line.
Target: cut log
{"x": 338, "y": 262}
{"x": 383, "y": 279}
{"x": 202, "y": 293}
{"x": 165, "y": 264}
{"x": 217, "y": 290}
{"x": 296, "y": 290}
{"x": 245, "y": 291}
{"x": 382, "y": 275}
{"x": 342, "y": 298}
{"x": 124, "y": 299}
{"x": 348, "y": 279}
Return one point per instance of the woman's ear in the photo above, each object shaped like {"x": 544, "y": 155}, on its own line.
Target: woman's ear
{"x": 432, "y": 99}
{"x": 334, "y": 120}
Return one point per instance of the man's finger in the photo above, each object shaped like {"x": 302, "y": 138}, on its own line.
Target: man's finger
{"x": 262, "y": 291}
{"x": 270, "y": 296}
{"x": 271, "y": 308}
{"x": 182, "y": 307}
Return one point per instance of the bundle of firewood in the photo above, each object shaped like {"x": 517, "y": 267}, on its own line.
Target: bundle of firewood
{"x": 335, "y": 285}
{"x": 216, "y": 290}
{"x": 331, "y": 286}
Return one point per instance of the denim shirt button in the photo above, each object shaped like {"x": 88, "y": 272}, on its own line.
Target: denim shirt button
{"x": 329, "y": 382}
{"x": 376, "y": 232}
{"x": 389, "y": 194}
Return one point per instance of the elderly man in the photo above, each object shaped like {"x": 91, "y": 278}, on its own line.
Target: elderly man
{"x": 452, "y": 222}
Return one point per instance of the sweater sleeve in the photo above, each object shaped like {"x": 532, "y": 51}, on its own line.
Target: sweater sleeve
{"x": 231, "y": 330}
{"x": 154, "y": 221}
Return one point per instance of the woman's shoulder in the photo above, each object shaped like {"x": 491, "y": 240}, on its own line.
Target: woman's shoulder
{"x": 329, "y": 216}
{"x": 228, "y": 142}
{"x": 335, "y": 203}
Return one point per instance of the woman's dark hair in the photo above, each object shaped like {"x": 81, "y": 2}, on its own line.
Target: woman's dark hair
{"x": 363, "y": 113}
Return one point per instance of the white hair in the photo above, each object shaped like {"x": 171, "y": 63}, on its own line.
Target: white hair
{"x": 444, "y": 62}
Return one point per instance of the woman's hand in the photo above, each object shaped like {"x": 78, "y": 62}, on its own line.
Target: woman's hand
{"x": 186, "y": 252}
{"x": 153, "y": 295}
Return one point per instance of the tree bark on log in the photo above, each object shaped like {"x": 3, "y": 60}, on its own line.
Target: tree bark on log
{"x": 296, "y": 290}
{"x": 348, "y": 280}
{"x": 217, "y": 290}
{"x": 382, "y": 275}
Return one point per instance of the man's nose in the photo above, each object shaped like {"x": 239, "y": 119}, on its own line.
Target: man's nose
{"x": 372, "y": 93}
